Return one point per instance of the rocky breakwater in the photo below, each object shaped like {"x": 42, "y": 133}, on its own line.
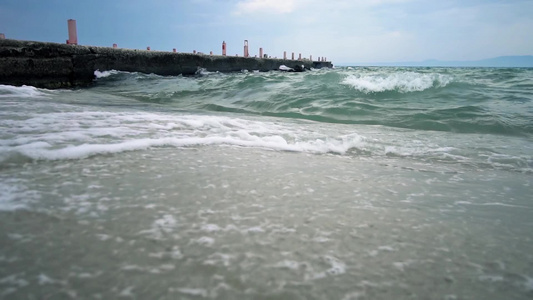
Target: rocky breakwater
{"x": 52, "y": 65}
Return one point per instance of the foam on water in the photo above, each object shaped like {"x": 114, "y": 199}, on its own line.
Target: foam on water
{"x": 83, "y": 134}
{"x": 104, "y": 74}
{"x": 9, "y": 91}
{"x": 403, "y": 82}
{"x": 14, "y": 195}
{"x": 58, "y": 136}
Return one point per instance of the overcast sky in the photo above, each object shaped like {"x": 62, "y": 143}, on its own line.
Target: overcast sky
{"x": 342, "y": 30}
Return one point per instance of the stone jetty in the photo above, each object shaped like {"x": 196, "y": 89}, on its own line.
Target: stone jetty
{"x": 53, "y": 65}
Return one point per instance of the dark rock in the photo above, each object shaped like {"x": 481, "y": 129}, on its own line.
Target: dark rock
{"x": 299, "y": 68}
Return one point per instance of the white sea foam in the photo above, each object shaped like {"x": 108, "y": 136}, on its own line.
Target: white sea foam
{"x": 9, "y": 91}
{"x": 75, "y": 135}
{"x": 287, "y": 264}
{"x": 193, "y": 292}
{"x": 166, "y": 223}
{"x": 402, "y": 82}
{"x": 337, "y": 267}
{"x": 161, "y": 227}
{"x": 203, "y": 72}
{"x": 79, "y": 135}
{"x": 205, "y": 240}
{"x": 14, "y": 195}
{"x": 103, "y": 74}
{"x": 211, "y": 227}
{"x": 43, "y": 279}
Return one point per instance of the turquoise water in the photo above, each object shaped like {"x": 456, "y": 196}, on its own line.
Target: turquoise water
{"x": 345, "y": 183}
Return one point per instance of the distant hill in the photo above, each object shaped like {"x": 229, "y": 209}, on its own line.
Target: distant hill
{"x": 525, "y": 61}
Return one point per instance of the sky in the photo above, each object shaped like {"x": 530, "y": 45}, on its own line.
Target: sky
{"x": 343, "y": 31}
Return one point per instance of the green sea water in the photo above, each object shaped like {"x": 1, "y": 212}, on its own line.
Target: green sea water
{"x": 345, "y": 183}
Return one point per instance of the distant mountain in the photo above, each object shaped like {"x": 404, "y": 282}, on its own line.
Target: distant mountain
{"x": 525, "y": 61}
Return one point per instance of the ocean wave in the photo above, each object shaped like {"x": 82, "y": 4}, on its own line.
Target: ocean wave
{"x": 80, "y": 135}
{"x": 403, "y": 82}
{"x": 48, "y": 137}
{"x": 9, "y": 91}
{"x": 244, "y": 140}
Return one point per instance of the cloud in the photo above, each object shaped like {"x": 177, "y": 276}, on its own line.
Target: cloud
{"x": 266, "y": 6}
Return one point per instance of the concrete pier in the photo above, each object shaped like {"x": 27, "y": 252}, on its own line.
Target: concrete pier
{"x": 53, "y": 65}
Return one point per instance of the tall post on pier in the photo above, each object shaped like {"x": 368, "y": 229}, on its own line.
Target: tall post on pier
{"x": 284, "y": 54}
{"x": 2, "y": 36}
{"x": 72, "y": 32}
{"x": 224, "y": 48}
{"x": 246, "y": 53}
{"x": 260, "y": 52}
{"x": 300, "y": 56}
{"x": 293, "y": 56}
{"x": 311, "y": 57}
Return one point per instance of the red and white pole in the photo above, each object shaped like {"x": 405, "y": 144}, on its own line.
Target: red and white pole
{"x": 224, "y": 48}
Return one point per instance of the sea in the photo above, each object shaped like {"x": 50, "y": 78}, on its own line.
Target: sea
{"x": 341, "y": 183}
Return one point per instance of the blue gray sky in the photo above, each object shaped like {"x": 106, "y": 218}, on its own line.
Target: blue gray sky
{"x": 342, "y": 30}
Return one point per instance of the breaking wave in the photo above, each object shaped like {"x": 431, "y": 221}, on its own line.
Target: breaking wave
{"x": 403, "y": 82}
